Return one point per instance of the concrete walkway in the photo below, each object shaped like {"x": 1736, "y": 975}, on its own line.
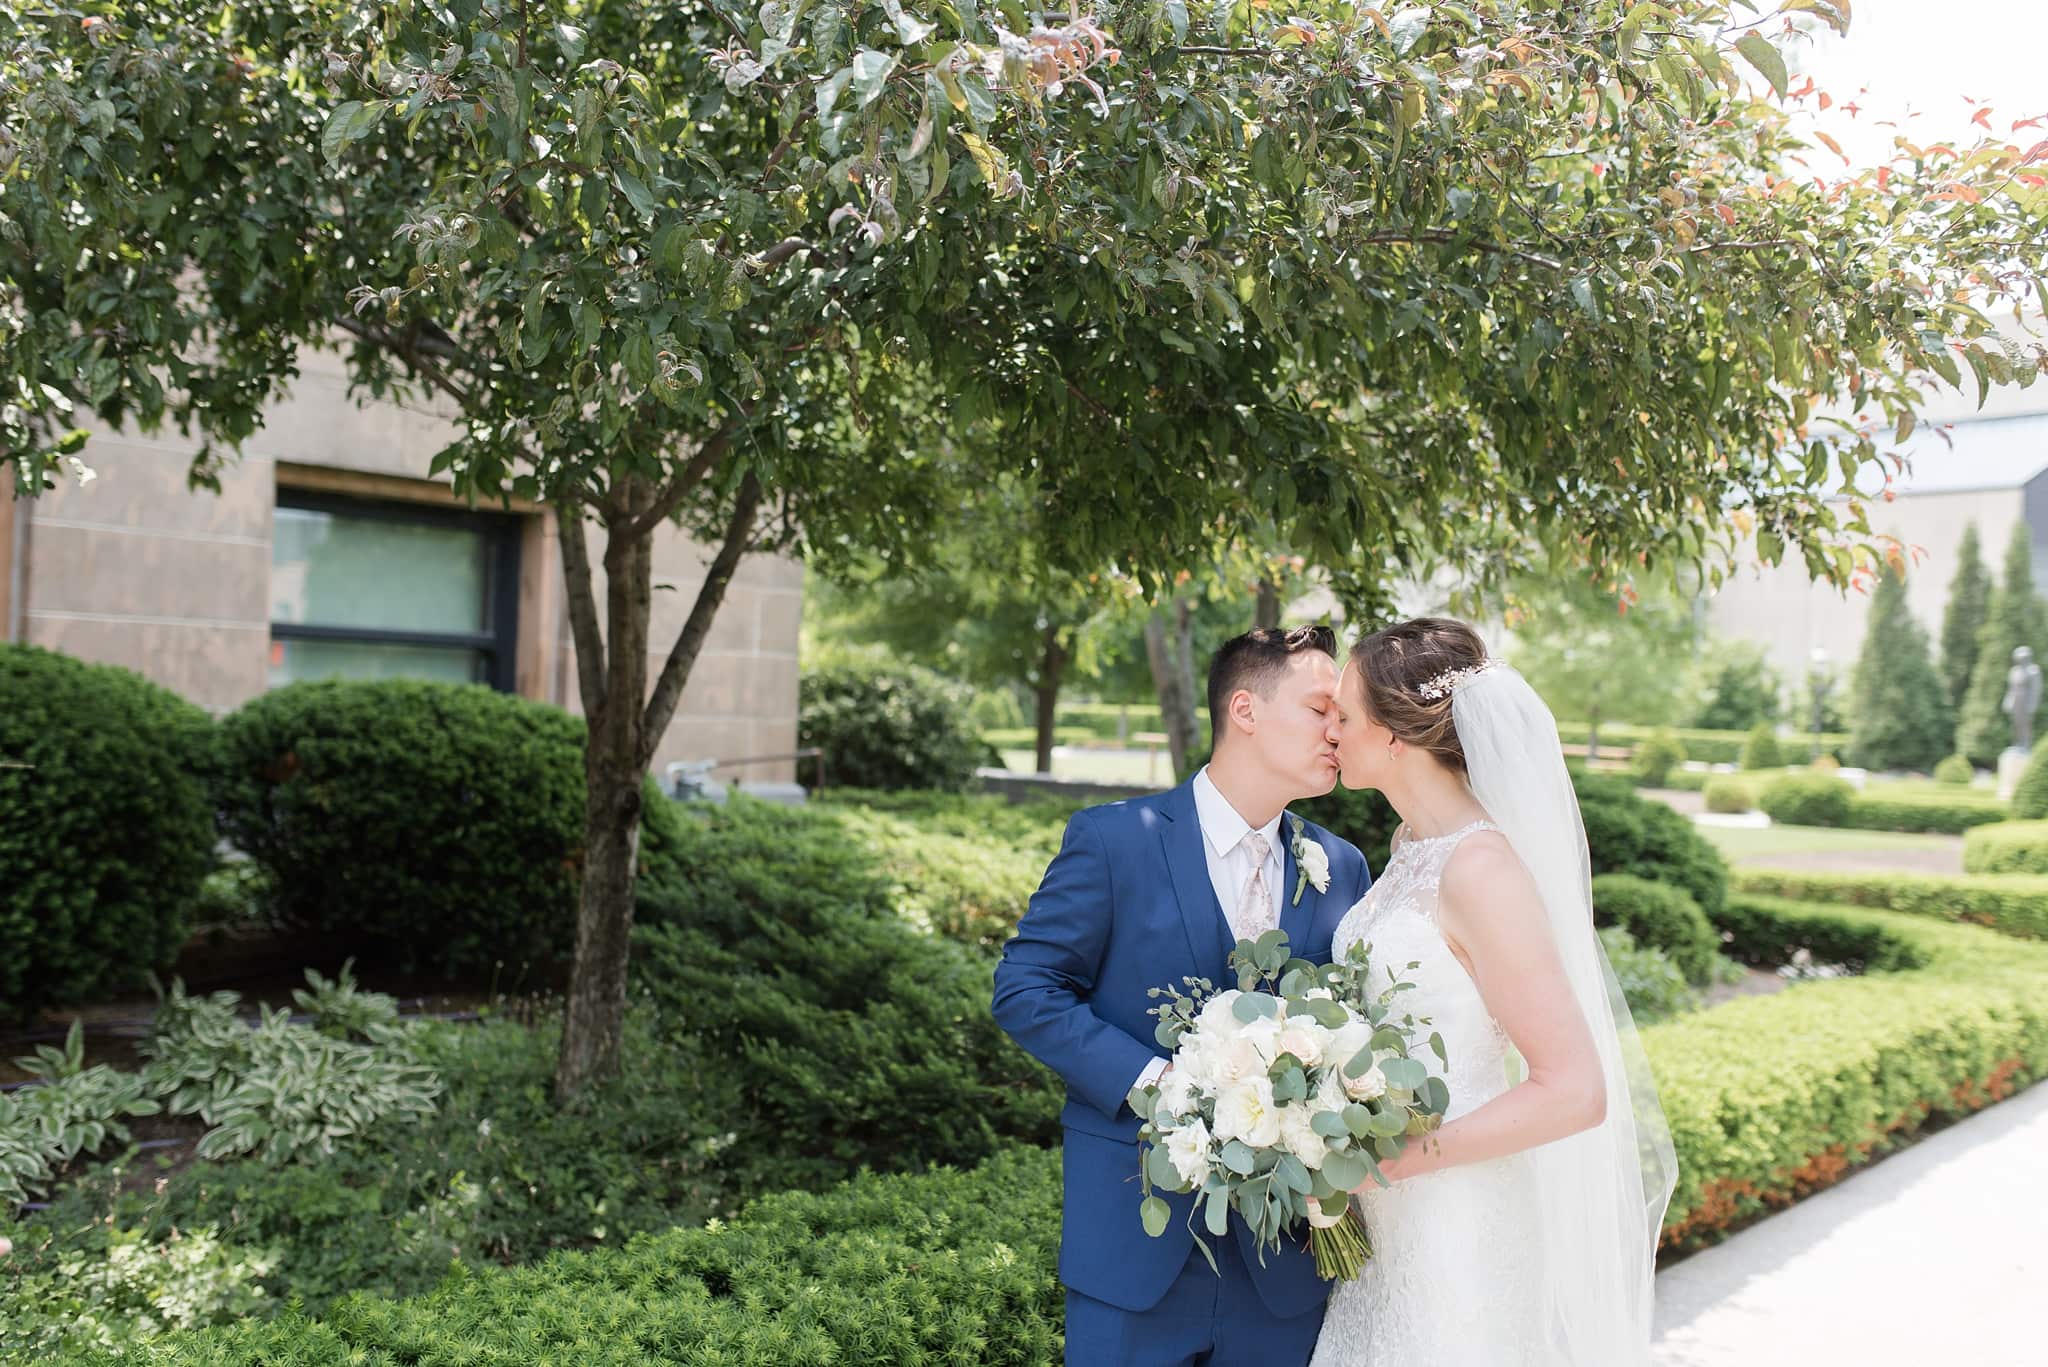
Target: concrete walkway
{"x": 1938, "y": 1254}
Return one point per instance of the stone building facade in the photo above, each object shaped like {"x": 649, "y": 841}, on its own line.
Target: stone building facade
{"x": 326, "y": 553}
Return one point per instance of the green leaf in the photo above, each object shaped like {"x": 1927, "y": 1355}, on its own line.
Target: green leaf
{"x": 1159, "y": 1167}
{"x": 1765, "y": 57}
{"x": 636, "y": 193}
{"x": 1344, "y": 1171}
{"x": 1153, "y": 1213}
{"x": 1405, "y": 1073}
{"x": 871, "y": 69}
{"x": 1239, "y": 1158}
{"x": 1216, "y": 1213}
{"x": 1582, "y": 295}
{"x": 347, "y": 123}
{"x": 1251, "y": 1006}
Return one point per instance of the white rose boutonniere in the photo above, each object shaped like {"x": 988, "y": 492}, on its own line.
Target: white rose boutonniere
{"x": 1311, "y": 861}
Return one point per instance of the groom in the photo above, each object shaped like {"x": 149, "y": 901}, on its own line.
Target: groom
{"x": 1142, "y": 894}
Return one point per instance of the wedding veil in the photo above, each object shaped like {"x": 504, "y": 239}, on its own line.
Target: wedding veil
{"x": 1601, "y": 1193}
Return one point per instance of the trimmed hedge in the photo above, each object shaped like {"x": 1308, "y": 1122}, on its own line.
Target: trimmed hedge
{"x": 1629, "y": 834}
{"x": 1927, "y": 815}
{"x": 1707, "y": 746}
{"x": 442, "y": 821}
{"x": 948, "y": 1267}
{"x": 2014, "y": 903}
{"x": 2030, "y": 795}
{"x": 1810, "y": 799}
{"x": 105, "y": 829}
{"x": 1660, "y": 917}
{"x": 1773, "y": 1097}
{"x": 2009, "y": 847}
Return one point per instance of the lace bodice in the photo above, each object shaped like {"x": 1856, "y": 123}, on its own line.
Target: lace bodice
{"x": 1451, "y": 1280}
{"x": 1397, "y": 918}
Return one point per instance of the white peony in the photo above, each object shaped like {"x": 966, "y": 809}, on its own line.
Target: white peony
{"x": 1298, "y": 1136}
{"x": 1177, "y": 1092}
{"x": 1188, "y": 1149}
{"x": 1263, "y": 1035}
{"x": 1246, "y": 1111}
{"x": 1348, "y": 1041}
{"x": 1239, "y": 1061}
{"x": 1304, "y": 1039}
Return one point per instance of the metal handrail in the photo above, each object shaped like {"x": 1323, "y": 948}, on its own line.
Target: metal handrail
{"x": 809, "y": 752}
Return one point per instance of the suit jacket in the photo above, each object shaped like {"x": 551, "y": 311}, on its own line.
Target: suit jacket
{"x": 1126, "y": 906}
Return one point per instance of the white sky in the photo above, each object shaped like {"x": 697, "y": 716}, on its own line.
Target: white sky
{"x": 1915, "y": 61}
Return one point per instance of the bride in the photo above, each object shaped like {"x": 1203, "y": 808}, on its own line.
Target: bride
{"x": 1522, "y": 1233}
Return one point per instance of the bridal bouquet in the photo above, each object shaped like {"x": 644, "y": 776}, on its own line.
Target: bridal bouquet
{"x": 1284, "y": 1094}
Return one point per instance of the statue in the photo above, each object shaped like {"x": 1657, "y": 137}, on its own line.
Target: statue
{"x": 2022, "y": 696}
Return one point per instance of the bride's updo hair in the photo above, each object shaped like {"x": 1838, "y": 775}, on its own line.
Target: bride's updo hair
{"x": 1395, "y": 663}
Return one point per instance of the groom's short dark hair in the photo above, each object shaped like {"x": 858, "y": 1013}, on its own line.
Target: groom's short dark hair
{"x": 1255, "y": 662}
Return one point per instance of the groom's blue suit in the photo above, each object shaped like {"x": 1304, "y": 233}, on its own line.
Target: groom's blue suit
{"x": 1127, "y": 905}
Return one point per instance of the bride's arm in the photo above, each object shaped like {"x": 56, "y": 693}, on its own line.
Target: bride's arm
{"x": 1495, "y": 922}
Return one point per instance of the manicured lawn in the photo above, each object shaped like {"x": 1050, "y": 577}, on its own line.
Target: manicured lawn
{"x": 1824, "y": 847}
{"x": 1099, "y": 766}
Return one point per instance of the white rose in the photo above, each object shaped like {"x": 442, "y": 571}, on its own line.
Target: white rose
{"x": 1330, "y": 1093}
{"x": 1217, "y": 1020}
{"x": 1315, "y": 862}
{"x": 1304, "y": 1039}
{"x": 1371, "y": 1083}
{"x": 1246, "y": 1112}
{"x": 1188, "y": 1150}
{"x": 1298, "y": 1136}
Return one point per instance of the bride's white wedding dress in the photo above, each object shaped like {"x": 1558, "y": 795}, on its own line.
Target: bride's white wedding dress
{"x": 1452, "y": 1277}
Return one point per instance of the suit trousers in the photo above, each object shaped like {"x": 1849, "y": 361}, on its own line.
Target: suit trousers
{"x": 1204, "y": 1318}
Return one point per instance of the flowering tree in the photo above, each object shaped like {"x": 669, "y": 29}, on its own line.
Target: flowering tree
{"x": 1476, "y": 283}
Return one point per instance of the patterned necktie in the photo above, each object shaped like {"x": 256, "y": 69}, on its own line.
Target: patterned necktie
{"x": 1255, "y": 907}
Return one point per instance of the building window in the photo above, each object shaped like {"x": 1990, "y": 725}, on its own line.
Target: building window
{"x": 371, "y": 590}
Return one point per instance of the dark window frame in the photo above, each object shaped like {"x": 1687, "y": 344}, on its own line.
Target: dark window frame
{"x": 498, "y": 643}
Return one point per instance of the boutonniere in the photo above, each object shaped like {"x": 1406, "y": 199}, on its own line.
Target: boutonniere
{"x": 1311, "y": 862}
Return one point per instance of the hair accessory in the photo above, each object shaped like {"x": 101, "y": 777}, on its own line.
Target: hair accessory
{"x": 1448, "y": 682}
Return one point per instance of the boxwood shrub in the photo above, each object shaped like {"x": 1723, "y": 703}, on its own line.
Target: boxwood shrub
{"x": 105, "y": 828}
{"x": 1661, "y": 917}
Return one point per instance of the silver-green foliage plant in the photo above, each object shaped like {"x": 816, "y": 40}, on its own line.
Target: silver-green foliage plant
{"x": 285, "y": 1087}
{"x": 73, "y": 1110}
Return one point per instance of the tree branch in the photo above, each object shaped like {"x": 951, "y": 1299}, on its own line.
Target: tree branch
{"x": 788, "y": 141}
{"x": 413, "y": 347}
{"x": 1443, "y": 235}
{"x": 590, "y": 670}
{"x": 661, "y": 704}
{"x": 665, "y": 504}
{"x": 779, "y": 253}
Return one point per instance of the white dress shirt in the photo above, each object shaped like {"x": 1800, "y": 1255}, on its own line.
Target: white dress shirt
{"x": 1230, "y": 866}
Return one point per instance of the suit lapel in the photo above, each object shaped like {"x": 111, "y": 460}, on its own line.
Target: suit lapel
{"x": 1297, "y": 919}
{"x": 1181, "y": 838}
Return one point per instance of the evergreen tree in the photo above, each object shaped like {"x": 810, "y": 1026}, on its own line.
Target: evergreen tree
{"x": 2014, "y": 619}
{"x": 1969, "y": 603}
{"x": 1898, "y": 703}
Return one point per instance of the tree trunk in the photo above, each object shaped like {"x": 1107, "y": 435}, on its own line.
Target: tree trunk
{"x": 1170, "y": 653}
{"x": 1592, "y": 738}
{"x": 1051, "y": 666}
{"x": 626, "y": 721}
{"x": 1266, "y": 612}
{"x": 594, "y": 1014}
